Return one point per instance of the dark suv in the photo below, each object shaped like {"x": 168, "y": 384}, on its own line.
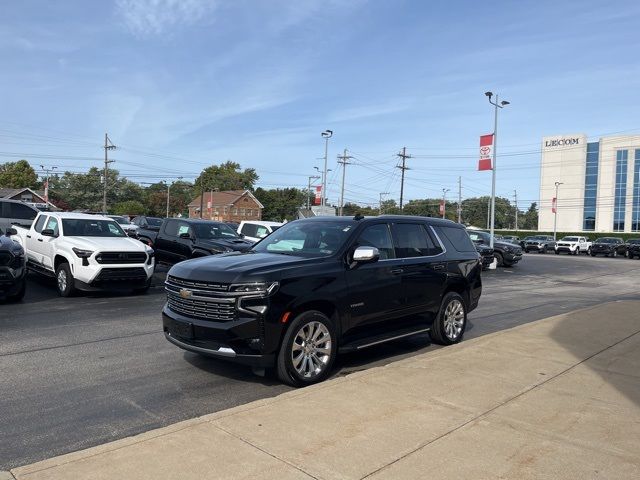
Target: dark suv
{"x": 608, "y": 246}
{"x": 633, "y": 247}
{"x": 323, "y": 285}
{"x": 13, "y": 267}
{"x": 506, "y": 254}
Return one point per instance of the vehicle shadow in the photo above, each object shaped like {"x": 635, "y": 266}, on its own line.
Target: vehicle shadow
{"x": 230, "y": 370}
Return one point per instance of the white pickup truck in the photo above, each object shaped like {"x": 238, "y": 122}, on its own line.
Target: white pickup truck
{"x": 573, "y": 245}
{"x": 86, "y": 252}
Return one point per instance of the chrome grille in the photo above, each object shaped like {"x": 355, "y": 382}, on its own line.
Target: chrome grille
{"x": 222, "y": 309}
{"x": 204, "y": 286}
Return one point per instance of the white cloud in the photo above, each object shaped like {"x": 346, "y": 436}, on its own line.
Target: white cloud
{"x": 155, "y": 17}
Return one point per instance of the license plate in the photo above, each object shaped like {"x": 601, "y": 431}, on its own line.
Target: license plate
{"x": 184, "y": 330}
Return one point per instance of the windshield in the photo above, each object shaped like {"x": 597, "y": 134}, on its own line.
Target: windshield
{"x": 120, "y": 220}
{"x": 306, "y": 239}
{"x": 606, "y": 240}
{"x": 154, "y": 221}
{"x": 635, "y": 241}
{"x": 74, "y": 227}
{"x": 570, "y": 239}
{"x": 214, "y": 231}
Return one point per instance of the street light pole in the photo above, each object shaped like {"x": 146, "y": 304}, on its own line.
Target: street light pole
{"x": 46, "y": 182}
{"x": 327, "y": 134}
{"x": 311, "y": 177}
{"x": 497, "y": 105}
{"x": 444, "y": 201}
{"x": 555, "y": 213}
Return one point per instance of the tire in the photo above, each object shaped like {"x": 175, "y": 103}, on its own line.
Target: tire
{"x": 544, "y": 250}
{"x": 64, "y": 280}
{"x": 526, "y": 251}
{"x": 142, "y": 290}
{"x": 592, "y": 254}
{"x": 614, "y": 254}
{"x": 448, "y": 327}
{"x": 499, "y": 259}
{"x": 577, "y": 251}
{"x": 20, "y": 295}
{"x": 557, "y": 252}
{"x": 306, "y": 368}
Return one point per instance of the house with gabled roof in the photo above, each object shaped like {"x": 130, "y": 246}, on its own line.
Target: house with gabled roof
{"x": 227, "y": 206}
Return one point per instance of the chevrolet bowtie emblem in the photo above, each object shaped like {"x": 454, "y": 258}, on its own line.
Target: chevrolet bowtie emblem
{"x": 185, "y": 293}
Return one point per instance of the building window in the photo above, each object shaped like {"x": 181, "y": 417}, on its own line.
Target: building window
{"x": 242, "y": 212}
{"x": 620, "y": 194}
{"x": 635, "y": 213}
{"x": 591, "y": 187}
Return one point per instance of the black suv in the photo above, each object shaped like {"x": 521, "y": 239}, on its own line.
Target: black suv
{"x": 13, "y": 268}
{"x": 507, "y": 254}
{"x": 323, "y": 285}
{"x": 633, "y": 247}
{"x": 608, "y": 246}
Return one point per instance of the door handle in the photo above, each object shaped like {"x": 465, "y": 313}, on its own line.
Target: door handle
{"x": 28, "y": 236}
{"x": 396, "y": 271}
{"x": 438, "y": 267}
{"x": 39, "y": 239}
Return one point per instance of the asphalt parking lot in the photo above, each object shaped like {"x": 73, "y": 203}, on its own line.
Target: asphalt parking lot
{"x": 82, "y": 371}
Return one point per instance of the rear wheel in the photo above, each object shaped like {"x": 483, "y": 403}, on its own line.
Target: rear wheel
{"x": 449, "y": 325}
{"x": 64, "y": 280}
{"x": 308, "y": 350}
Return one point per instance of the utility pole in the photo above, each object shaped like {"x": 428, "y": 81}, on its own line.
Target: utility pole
{"x": 459, "y": 199}
{"x": 108, "y": 145}
{"x": 380, "y": 206}
{"x": 201, "y": 196}
{"x": 497, "y": 106}
{"x": 489, "y": 213}
{"x": 168, "y": 193}
{"x": 327, "y": 134}
{"x": 343, "y": 160}
{"x": 515, "y": 197}
{"x": 404, "y": 157}
{"x": 311, "y": 177}
{"x": 555, "y": 210}
{"x": 46, "y": 182}
{"x": 444, "y": 201}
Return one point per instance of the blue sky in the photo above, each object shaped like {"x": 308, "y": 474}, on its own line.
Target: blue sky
{"x": 180, "y": 84}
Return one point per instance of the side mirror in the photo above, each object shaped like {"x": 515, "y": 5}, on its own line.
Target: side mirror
{"x": 366, "y": 255}
{"x": 185, "y": 235}
{"x": 47, "y": 232}
{"x": 241, "y": 235}
{"x": 11, "y": 231}
{"x": 131, "y": 233}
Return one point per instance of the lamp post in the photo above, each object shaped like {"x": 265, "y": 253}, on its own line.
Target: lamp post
{"x": 555, "y": 211}
{"x": 444, "y": 201}
{"x": 46, "y": 181}
{"x": 311, "y": 177}
{"x": 327, "y": 134}
{"x": 497, "y": 104}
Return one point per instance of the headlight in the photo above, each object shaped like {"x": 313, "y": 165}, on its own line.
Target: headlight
{"x": 82, "y": 253}
{"x": 254, "y": 288}
{"x": 150, "y": 255}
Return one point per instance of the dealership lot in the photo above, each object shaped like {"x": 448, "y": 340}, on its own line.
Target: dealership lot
{"x": 70, "y": 381}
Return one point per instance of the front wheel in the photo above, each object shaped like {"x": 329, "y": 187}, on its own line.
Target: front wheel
{"x": 614, "y": 254}
{"x": 592, "y": 254}
{"x": 499, "y": 259}
{"x": 21, "y": 291}
{"x": 544, "y": 249}
{"x": 577, "y": 251}
{"x": 308, "y": 350}
{"x": 448, "y": 327}
{"x": 64, "y": 280}
{"x": 557, "y": 252}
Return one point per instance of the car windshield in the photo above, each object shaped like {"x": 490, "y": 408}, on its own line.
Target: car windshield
{"x": 154, "y": 221}
{"x": 635, "y": 241}
{"x": 76, "y": 227}
{"x": 214, "y": 231}
{"x": 479, "y": 236}
{"x": 606, "y": 240}
{"x": 120, "y": 220}
{"x": 570, "y": 239}
{"x": 306, "y": 239}
{"x": 539, "y": 237}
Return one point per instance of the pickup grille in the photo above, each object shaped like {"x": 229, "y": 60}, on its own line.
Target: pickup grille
{"x": 119, "y": 274}
{"x": 204, "y": 300}
{"x": 106, "y": 258}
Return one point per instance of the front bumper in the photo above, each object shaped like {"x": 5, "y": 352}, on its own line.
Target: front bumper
{"x": 566, "y": 248}
{"x": 534, "y": 247}
{"x": 601, "y": 251}
{"x": 11, "y": 280}
{"x": 94, "y": 277}
{"x": 511, "y": 258}
{"x": 240, "y": 340}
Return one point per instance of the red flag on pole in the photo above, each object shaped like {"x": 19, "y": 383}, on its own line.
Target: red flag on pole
{"x": 441, "y": 207}
{"x": 486, "y": 151}
{"x": 318, "y": 199}
{"x": 554, "y": 205}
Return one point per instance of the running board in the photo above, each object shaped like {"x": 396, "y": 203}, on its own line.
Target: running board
{"x": 36, "y": 267}
{"x": 371, "y": 341}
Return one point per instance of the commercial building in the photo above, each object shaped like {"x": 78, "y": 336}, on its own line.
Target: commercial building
{"x": 598, "y": 183}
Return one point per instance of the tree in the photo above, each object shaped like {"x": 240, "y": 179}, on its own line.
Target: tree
{"x": 226, "y": 176}
{"x": 280, "y": 203}
{"x": 530, "y": 218}
{"x": 18, "y": 175}
{"x": 128, "y": 207}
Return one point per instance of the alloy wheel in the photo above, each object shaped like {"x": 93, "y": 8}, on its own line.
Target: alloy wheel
{"x": 62, "y": 280}
{"x": 453, "y": 319}
{"x": 311, "y": 350}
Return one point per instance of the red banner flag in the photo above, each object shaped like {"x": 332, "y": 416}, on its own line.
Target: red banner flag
{"x": 441, "y": 207}
{"x": 554, "y": 205}
{"x": 318, "y": 199}
{"x": 486, "y": 151}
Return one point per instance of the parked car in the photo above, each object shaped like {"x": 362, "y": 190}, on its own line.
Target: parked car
{"x": 86, "y": 252}
{"x": 14, "y": 212}
{"x": 180, "y": 239}
{"x": 324, "y": 285}
{"x": 127, "y": 225}
{"x": 633, "y": 247}
{"x": 13, "y": 268}
{"x": 486, "y": 255}
{"x": 608, "y": 246}
{"x": 507, "y": 254}
{"x": 511, "y": 239}
{"x": 573, "y": 245}
{"x": 256, "y": 230}
{"x": 150, "y": 223}
{"x": 525, "y": 240}
{"x": 540, "y": 243}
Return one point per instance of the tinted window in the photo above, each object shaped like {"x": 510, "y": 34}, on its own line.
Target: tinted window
{"x": 75, "y": 227}
{"x": 213, "y": 231}
{"x": 377, "y": 236}
{"x": 412, "y": 240}
{"x": 154, "y": 222}
{"x": 171, "y": 228}
{"x": 249, "y": 229}
{"x": 459, "y": 238}
{"x": 40, "y": 223}
{"x": 18, "y": 210}
{"x": 306, "y": 239}
{"x": 52, "y": 224}
{"x": 183, "y": 227}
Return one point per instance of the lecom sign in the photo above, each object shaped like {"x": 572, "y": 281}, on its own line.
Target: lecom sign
{"x": 562, "y": 142}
